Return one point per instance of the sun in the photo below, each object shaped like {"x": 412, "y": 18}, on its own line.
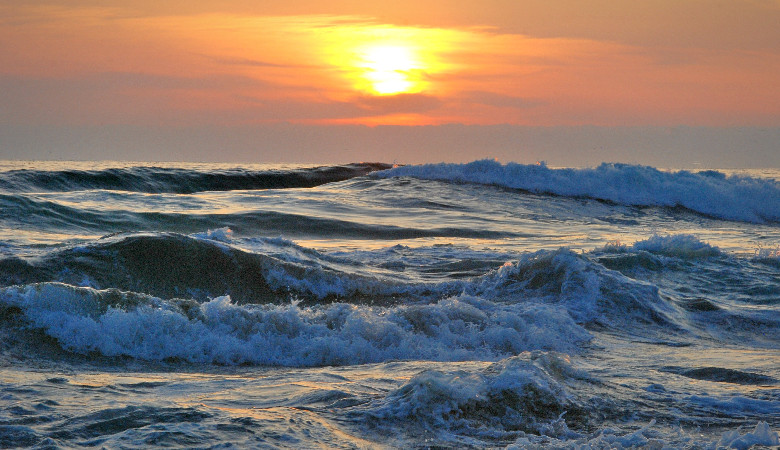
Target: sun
{"x": 390, "y": 69}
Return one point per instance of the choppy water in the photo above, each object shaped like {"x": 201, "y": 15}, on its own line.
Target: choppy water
{"x": 362, "y": 306}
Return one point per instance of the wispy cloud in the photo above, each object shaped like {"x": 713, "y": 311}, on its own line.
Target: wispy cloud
{"x": 249, "y": 62}
{"x": 523, "y": 62}
{"x": 500, "y": 100}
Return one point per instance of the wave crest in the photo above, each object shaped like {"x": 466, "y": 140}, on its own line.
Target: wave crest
{"x": 217, "y": 331}
{"x": 709, "y": 192}
{"x": 528, "y": 392}
{"x": 684, "y": 246}
{"x": 179, "y": 180}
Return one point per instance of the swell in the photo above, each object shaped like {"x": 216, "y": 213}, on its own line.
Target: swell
{"x": 164, "y": 265}
{"x": 723, "y": 375}
{"x": 22, "y": 210}
{"x": 155, "y": 297}
{"x": 527, "y": 393}
{"x": 179, "y": 180}
{"x": 201, "y": 299}
{"x": 167, "y": 296}
{"x": 710, "y": 193}
{"x": 170, "y": 265}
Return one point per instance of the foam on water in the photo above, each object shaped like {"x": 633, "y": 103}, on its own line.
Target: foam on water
{"x": 544, "y": 300}
{"x": 544, "y": 399}
{"x": 527, "y": 392}
{"x": 650, "y": 437}
{"x": 589, "y": 292}
{"x": 161, "y": 299}
{"x": 113, "y": 323}
{"x": 586, "y": 291}
{"x": 404, "y": 312}
{"x": 686, "y": 246}
{"x": 762, "y": 434}
{"x": 712, "y": 193}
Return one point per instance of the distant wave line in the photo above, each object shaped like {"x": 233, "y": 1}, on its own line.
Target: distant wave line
{"x": 710, "y": 192}
{"x": 180, "y": 180}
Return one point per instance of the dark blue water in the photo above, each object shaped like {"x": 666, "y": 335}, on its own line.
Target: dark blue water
{"x": 360, "y": 305}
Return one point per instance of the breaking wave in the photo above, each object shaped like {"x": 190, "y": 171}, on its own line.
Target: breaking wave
{"x": 529, "y": 392}
{"x": 709, "y": 192}
{"x": 201, "y": 299}
{"x": 116, "y": 323}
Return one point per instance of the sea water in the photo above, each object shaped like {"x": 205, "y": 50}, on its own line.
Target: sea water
{"x": 370, "y": 306}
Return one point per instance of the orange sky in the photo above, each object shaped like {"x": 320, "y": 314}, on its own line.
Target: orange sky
{"x": 474, "y": 62}
{"x": 610, "y": 63}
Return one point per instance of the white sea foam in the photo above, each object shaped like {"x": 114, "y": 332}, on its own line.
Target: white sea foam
{"x": 761, "y": 435}
{"x": 588, "y": 291}
{"x": 686, "y": 246}
{"x": 738, "y": 404}
{"x": 528, "y": 391}
{"x": 712, "y": 193}
{"x": 224, "y": 234}
{"x": 542, "y": 301}
{"x": 649, "y": 437}
{"x": 768, "y": 253}
{"x": 218, "y": 331}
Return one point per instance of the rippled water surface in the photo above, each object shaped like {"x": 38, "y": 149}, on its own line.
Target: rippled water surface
{"x": 474, "y": 305}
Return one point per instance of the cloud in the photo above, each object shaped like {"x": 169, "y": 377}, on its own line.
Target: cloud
{"x": 490, "y": 62}
{"x": 664, "y": 23}
{"x": 400, "y": 103}
{"x": 500, "y": 100}
{"x": 256, "y": 63}
{"x": 117, "y": 97}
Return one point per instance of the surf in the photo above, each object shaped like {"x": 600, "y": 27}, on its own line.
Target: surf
{"x": 710, "y": 192}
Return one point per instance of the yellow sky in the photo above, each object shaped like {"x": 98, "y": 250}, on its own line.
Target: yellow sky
{"x": 538, "y": 63}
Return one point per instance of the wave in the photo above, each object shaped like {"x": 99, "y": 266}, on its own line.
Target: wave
{"x": 200, "y": 298}
{"x": 549, "y": 400}
{"x": 206, "y": 265}
{"x": 171, "y": 265}
{"x": 116, "y": 323}
{"x": 682, "y": 246}
{"x": 730, "y": 299}
{"x": 179, "y": 180}
{"x": 168, "y": 265}
{"x": 528, "y": 393}
{"x": 711, "y": 193}
{"x": 590, "y": 293}
{"x": 724, "y": 375}
{"x": 22, "y": 210}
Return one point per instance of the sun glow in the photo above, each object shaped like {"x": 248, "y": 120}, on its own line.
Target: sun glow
{"x": 389, "y": 69}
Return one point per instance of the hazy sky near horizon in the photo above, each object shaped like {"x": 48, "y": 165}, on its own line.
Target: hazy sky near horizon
{"x": 293, "y": 81}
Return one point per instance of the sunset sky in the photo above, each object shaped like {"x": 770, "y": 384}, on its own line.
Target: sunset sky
{"x": 681, "y": 82}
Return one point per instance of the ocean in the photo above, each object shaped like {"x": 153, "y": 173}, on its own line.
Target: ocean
{"x": 479, "y": 305}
